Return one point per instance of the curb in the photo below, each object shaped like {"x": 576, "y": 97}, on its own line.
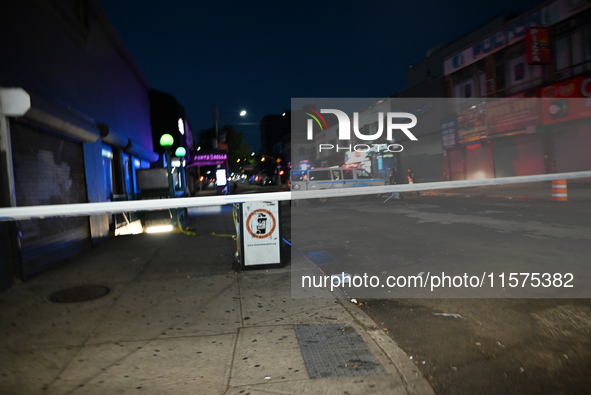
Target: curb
{"x": 411, "y": 376}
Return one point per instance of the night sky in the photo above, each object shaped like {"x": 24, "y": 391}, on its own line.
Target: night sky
{"x": 257, "y": 55}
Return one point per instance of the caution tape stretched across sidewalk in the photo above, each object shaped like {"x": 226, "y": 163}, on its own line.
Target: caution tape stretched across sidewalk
{"x": 83, "y": 209}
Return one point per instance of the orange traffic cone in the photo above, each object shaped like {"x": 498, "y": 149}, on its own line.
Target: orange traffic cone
{"x": 559, "y": 191}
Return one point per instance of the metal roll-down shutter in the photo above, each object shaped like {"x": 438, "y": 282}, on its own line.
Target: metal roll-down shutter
{"x": 48, "y": 169}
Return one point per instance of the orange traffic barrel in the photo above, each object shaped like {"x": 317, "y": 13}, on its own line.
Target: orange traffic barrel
{"x": 559, "y": 191}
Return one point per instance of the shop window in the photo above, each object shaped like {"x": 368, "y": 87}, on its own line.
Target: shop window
{"x": 572, "y": 50}
{"x": 136, "y": 164}
{"x": 562, "y": 57}
{"x": 107, "y": 155}
{"x": 522, "y": 75}
{"x": 126, "y": 170}
{"x": 519, "y": 72}
{"x": 581, "y": 49}
{"x": 501, "y": 80}
{"x": 467, "y": 90}
{"x": 483, "y": 86}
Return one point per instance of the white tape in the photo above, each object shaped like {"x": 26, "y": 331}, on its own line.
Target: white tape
{"x": 79, "y": 209}
{"x": 84, "y": 209}
{"x": 429, "y": 186}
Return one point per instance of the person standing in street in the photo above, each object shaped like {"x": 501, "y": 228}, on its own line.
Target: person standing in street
{"x": 394, "y": 179}
{"x": 410, "y": 177}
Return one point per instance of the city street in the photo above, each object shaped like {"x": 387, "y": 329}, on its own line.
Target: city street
{"x": 489, "y": 339}
{"x": 192, "y": 203}
{"x": 179, "y": 318}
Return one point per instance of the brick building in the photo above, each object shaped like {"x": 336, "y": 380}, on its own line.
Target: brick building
{"x": 539, "y": 59}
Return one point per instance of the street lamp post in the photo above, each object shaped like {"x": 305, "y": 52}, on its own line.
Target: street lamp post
{"x": 216, "y": 117}
{"x": 216, "y": 143}
{"x": 180, "y": 153}
{"x": 166, "y": 142}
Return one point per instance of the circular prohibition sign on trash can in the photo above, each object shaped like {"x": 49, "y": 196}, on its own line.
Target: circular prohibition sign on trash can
{"x": 257, "y": 223}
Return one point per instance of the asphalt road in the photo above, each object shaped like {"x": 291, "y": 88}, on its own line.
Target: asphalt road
{"x": 511, "y": 338}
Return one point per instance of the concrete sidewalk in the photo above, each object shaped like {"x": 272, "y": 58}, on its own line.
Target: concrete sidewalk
{"x": 179, "y": 320}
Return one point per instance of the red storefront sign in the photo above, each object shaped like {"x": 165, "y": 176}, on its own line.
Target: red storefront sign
{"x": 515, "y": 112}
{"x": 537, "y": 45}
{"x": 567, "y": 100}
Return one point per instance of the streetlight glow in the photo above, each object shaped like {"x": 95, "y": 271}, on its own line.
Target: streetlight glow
{"x": 166, "y": 140}
{"x": 180, "y": 151}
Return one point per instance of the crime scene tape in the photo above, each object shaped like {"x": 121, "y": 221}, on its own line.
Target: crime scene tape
{"x": 83, "y": 209}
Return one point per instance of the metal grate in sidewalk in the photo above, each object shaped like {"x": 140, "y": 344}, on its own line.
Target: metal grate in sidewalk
{"x": 335, "y": 350}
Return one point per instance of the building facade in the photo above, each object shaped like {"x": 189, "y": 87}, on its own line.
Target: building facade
{"x": 511, "y": 79}
{"x": 74, "y": 126}
{"x": 493, "y": 90}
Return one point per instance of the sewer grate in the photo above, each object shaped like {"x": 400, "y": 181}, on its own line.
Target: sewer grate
{"x": 335, "y": 350}
{"x": 322, "y": 257}
{"x": 80, "y": 293}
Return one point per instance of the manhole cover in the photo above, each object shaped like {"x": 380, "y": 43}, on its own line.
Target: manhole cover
{"x": 81, "y": 293}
